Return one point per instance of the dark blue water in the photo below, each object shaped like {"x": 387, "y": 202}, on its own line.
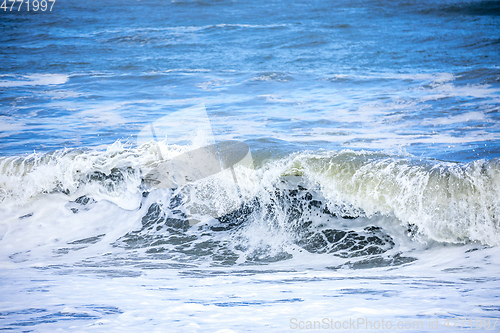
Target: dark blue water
{"x": 417, "y": 75}
{"x": 372, "y": 190}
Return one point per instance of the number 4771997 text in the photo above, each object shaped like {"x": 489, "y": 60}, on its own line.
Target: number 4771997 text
{"x": 27, "y": 5}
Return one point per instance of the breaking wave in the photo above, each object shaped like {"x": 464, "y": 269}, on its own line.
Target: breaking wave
{"x": 356, "y": 206}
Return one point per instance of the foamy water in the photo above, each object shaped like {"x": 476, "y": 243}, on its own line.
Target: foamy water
{"x": 232, "y": 166}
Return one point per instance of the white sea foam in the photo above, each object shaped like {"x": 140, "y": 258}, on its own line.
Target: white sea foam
{"x": 461, "y": 118}
{"x": 443, "y": 201}
{"x": 32, "y": 80}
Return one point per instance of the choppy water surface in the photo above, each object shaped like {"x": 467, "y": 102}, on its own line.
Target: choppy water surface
{"x": 372, "y": 192}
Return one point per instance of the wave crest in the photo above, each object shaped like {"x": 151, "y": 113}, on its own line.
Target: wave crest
{"x": 441, "y": 201}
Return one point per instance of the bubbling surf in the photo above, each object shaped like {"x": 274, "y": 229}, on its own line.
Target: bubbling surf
{"x": 350, "y": 204}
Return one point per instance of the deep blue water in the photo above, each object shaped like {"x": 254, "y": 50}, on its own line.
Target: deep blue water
{"x": 372, "y": 189}
{"x": 297, "y": 66}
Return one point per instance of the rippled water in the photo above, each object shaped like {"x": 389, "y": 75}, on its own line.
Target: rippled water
{"x": 371, "y": 191}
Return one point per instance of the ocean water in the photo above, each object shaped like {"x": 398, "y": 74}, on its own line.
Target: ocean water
{"x": 359, "y": 188}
